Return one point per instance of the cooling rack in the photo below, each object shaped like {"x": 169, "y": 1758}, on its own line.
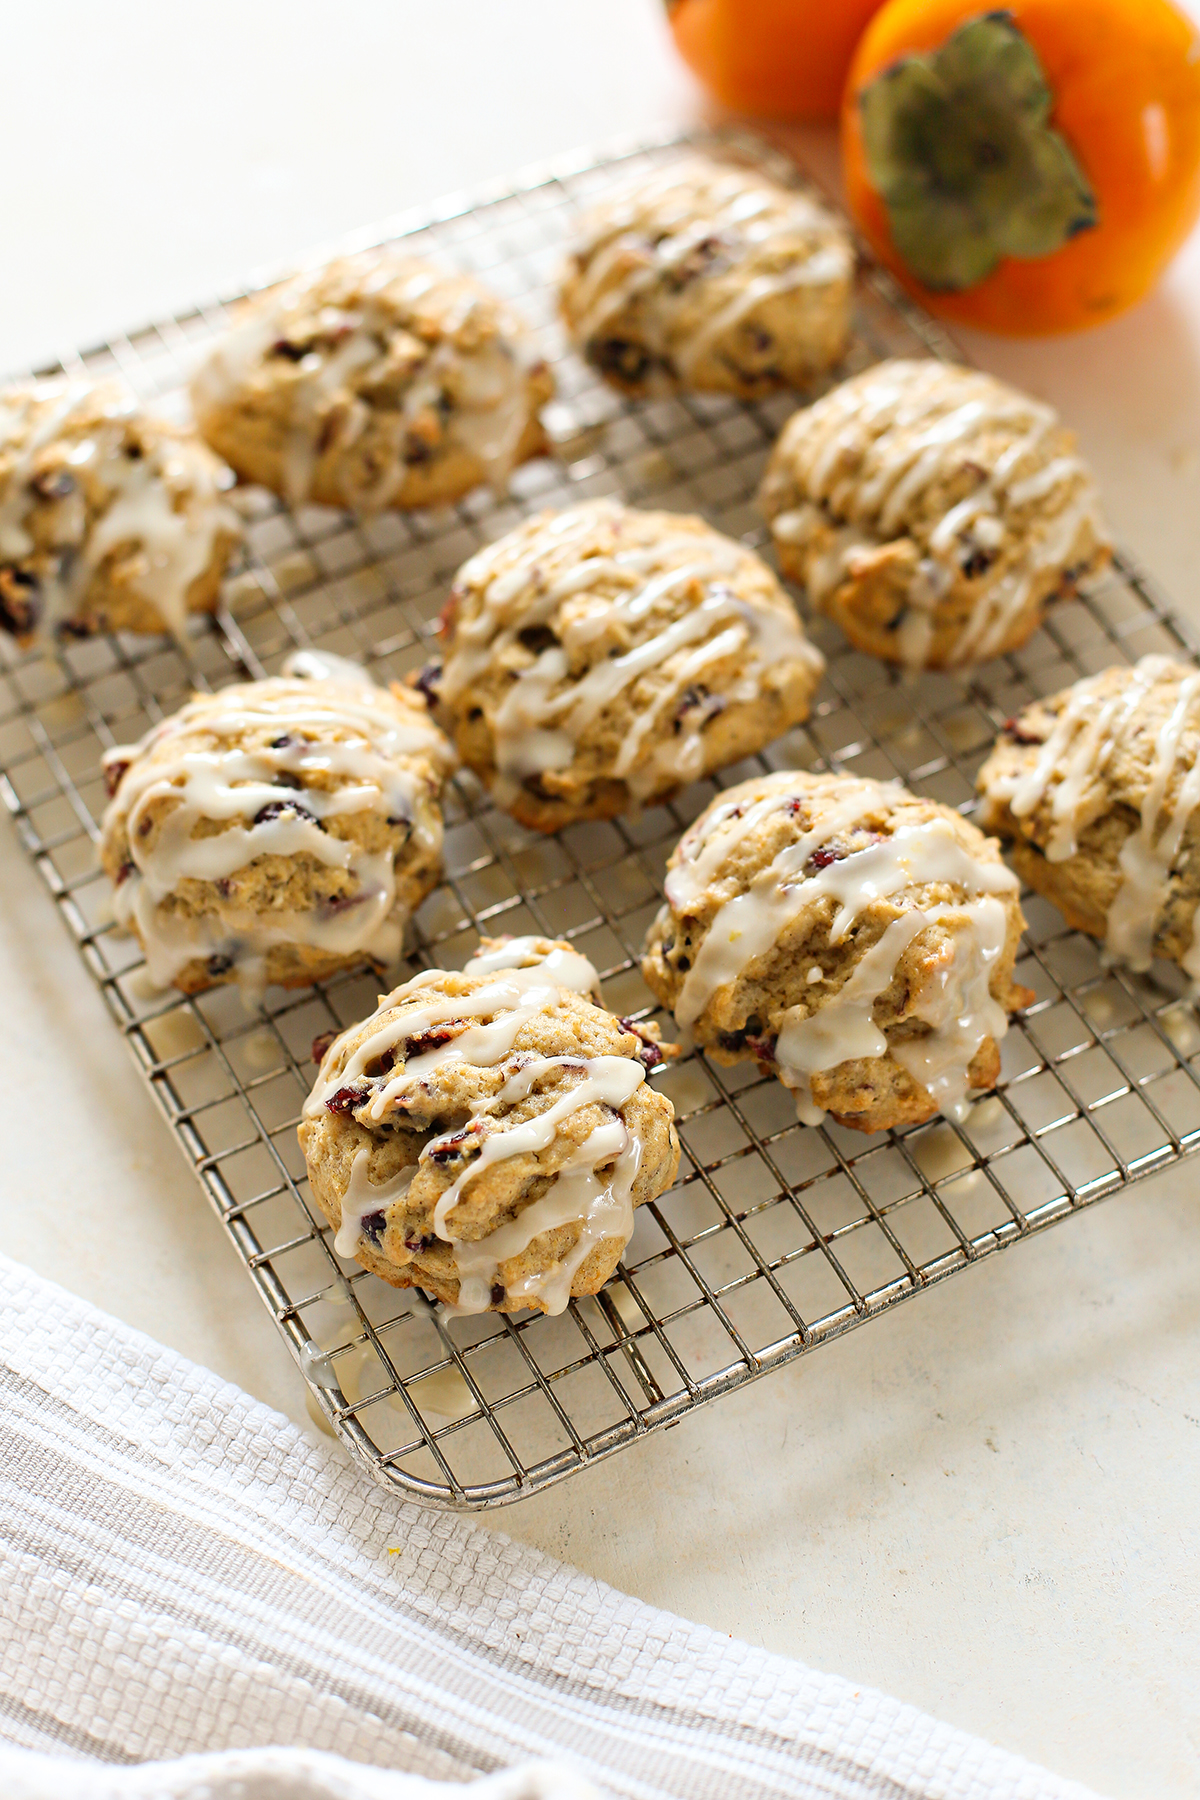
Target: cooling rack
{"x": 776, "y": 1237}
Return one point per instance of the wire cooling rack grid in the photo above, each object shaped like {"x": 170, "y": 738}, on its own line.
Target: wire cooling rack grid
{"x": 776, "y": 1237}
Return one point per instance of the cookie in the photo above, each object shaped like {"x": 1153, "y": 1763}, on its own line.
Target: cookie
{"x": 933, "y": 511}
{"x": 602, "y": 657}
{"x": 110, "y": 519}
{"x": 709, "y": 276}
{"x": 487, "y": 1135}
{"x": 376, "y": 381}
{"x": 276, "y": 831}
{"x": 1096, "y": 790}
{"x": 850, "y": 937}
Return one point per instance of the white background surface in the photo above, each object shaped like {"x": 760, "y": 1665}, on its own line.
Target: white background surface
{"x": 986, "y": 1503}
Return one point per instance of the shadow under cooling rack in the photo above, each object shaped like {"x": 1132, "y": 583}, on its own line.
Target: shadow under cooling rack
{"x": 776, "y": 1237}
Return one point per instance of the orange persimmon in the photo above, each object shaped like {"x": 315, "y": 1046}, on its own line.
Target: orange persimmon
{"x": 1031, "y": 168}
{"x": 776, "y": 59}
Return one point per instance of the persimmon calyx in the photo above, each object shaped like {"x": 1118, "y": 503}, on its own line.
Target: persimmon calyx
{"x": 959, "y": 149}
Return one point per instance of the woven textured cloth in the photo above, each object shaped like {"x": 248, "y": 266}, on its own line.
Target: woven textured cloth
{"x": 268, "y": 1775}
{"x": 183, "y": 1572}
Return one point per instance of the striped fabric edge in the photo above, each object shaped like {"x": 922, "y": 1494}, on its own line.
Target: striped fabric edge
{"x": 272, "y": 1774}
{"x": 184, "y": 1571}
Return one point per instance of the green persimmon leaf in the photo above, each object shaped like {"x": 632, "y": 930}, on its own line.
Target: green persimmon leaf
{"x": 969, "y": 171}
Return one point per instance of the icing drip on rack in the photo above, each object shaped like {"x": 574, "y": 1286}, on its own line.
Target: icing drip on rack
{"x": 1068, "y": 775}
{"x": 546, "y": 712}
{"x": 261, "y": 795}
{"x": 479, "y": 394}
{"x": 138, "y": 512}
{"x": 957, "y": 1006}
{"x": 676, "y": 216}
{"x": 868, "y": 455}
{"x": 593, "y": 1186}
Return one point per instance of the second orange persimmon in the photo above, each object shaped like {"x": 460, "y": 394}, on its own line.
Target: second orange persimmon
{"x": 778, "y": 59}
{"x": 1030, "y": 167}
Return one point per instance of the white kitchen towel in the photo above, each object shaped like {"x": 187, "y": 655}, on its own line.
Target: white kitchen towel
{"x": 275, "y": 1774}
{"x": 182, "y": 1571}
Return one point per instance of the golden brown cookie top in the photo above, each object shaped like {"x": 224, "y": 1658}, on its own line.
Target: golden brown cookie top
{"x": 299, "y": 779}
{"x": 811, "y": 919}
{"x": 506, "y": 1105}
{"x": 1118, "y": 750}
{"x": 383, "y": 336}
{"x": 611, "y": 637}
{"x": 88, "y": 479}
{"x": 983, "y": 481}
{"x": 671, "y": 273}
{"x": 1106, "y": 741}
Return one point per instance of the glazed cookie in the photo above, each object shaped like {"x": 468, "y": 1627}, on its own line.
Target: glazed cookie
{"x": 854, "y": 939}
{"x": 709, "y": 276}
{"x": 110, "y": 520}
{"x": 376, "y": 381}
{"x": 276, "y": 831}
{"x": 1097, "y": 789}
{"x": 603, "y": 657}
{"x": 487, "y": 1135}
{"x": 933, "y": 512}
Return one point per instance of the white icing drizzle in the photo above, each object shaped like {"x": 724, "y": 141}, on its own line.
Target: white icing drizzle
{"x": 607, "y": 1079}
{"x": 681, "y": 207}
{"x": 707, "y": 844}
{"x": 175, "y": 545}
{"x": 748, "y": 924}
{"x": 602, "y": 1206}
{"x": 544, "y": 714}
{"x": 487, "y": 384}
{"x": 224, "y": 782}
{"x": 581, "y": 1193}
{"x": 958, "y": 1006}
{"x": 362, "y": 1198}
{"x": 823, "y": 267}
{"x": 869, "y": 451}
{"x": 1073, "y": 759}
{"x": 957, "y": 1003}
{"x": 515, "y": 996}
{"x": 845, "y": 1026}
{"x": 1068, "y": 774}
{"x": 565, "y": 967}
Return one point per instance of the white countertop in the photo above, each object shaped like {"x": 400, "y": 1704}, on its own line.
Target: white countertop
{"x": 984, "y": 1503}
